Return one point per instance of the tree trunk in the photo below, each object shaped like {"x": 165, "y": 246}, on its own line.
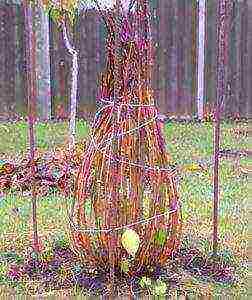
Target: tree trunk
{"x": 201, "y": 58}
{"x": 41, "y": 23}
{"x": 73, "y": 98}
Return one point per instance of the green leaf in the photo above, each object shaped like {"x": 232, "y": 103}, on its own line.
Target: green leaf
{"x": 88, "y": 207}
{"x": 160, "y": 288}
{"x": 160, "y": 237}
{"x": 162, "y": 188}
{"x": 125, "y": 266}
{"x": 71, "y": 16}
{"x": 145, "y": 282}
{"x": 55, "y": 15}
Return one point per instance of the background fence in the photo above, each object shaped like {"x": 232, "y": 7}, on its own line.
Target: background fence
{"x": 175, "y": 72}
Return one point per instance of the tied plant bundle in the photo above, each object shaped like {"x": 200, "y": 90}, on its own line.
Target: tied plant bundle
{"x": 126, "y": 214}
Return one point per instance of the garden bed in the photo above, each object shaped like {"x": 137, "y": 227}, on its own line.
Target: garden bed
{"x": 189, "y": 273}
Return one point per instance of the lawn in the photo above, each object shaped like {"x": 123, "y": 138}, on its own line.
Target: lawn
{"x": 190, "y": 145}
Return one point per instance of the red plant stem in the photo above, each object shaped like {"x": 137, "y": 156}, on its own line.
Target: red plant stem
{"x": 115, "y": 146}
{"x": 31, "y": 93}
{"x": 219, "y": 99}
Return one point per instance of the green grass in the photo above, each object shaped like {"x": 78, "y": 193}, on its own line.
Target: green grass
{"x": 185, "y": 143}
{"x": 14, "y": 137}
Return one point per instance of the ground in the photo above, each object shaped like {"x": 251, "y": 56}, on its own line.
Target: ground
{"x": 191, "y": 149}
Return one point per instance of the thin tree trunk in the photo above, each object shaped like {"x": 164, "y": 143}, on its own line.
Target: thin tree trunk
{"x": 221, "y": 60}
{"x": 73, "y": 97}
{"x": 31, "y": 92}
{"x": 201, "y": 58}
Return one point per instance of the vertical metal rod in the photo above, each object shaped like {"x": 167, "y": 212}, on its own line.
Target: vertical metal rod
{"x": 216, "y": 179}
{"x": 221, "y": 62}
{"x": 31, "y": 93}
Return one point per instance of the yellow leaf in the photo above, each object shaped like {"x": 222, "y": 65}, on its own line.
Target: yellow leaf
{"x": 193, "y": 168}
{"x": 130, "y": 241}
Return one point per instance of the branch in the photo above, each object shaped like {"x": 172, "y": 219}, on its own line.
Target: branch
{"x": 66, "y": 40}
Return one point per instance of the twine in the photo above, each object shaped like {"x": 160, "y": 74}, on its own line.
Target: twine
{"x": 93, "y": 230}
{"x": 97, "y": 147}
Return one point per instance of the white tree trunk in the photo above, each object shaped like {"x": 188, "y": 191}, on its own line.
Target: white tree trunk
{"x": 73, "y": 97}
{"x": 201, "y": 58}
